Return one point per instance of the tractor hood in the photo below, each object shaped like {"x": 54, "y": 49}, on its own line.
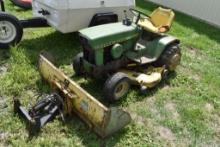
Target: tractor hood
{"x": 105, "y": 35}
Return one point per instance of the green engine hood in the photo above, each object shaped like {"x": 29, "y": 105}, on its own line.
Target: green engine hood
{"x": 105, "y": 35}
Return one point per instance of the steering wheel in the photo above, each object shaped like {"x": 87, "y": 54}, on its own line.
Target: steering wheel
{"x": 138, "y": 14}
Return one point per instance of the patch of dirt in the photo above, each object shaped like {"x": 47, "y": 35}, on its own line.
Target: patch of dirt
{"x": 150, "y": 103}
{"x": 171, "y": 107}
{"x": 3, "y": 69}
{"x": 3, "y": 138}
{"x": 217, "y": 133}
{"x": 196, "y": 77}
{"x": 3, "y": 104}
{"x": 193, "y": 51}
{"x": 209, "y": 107}
{"x": 215, "y": 123}
{"x": 141, "y": 120}
{"x": 166, "y": 87}
{"x": 138, "y": 119}
{"x": 165, "y": 133}
{"x": 191, "y": 74}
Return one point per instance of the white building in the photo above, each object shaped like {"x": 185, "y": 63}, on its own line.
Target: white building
{"x": 208, "y": 10}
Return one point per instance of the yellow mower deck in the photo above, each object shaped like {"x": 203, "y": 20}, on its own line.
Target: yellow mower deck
{"x": 149, "y": 77}
{"x": 103, "y": 120}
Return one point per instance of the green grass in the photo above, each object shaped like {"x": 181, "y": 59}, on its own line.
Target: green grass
{"x": 184, "y": 110}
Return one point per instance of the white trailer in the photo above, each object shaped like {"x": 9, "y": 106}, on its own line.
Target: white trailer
{"x": 71, "y": 15}
{"x": 64, "y": 15}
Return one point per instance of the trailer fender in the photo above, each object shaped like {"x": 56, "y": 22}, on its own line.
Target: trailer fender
{"x": 103, "y": 18}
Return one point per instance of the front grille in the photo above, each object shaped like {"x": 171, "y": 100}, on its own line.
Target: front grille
{"x": 107, "y": 55}
{"x": 88, "y": 53}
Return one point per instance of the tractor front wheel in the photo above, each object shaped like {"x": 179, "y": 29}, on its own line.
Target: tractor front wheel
{"x": 171, "y": 57}
{"x": 77, "y": 64}
{"x": 116, "y": 87}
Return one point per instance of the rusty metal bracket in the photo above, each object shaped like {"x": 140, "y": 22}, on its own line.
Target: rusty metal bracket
{"x": 42, "y": 112}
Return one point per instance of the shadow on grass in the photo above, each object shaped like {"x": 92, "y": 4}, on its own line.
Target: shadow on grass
{"x": 12, "y": 7}
{"x": 75, "y": 126}
{"x": 4, "y": 55}
{"x": 63, "y": 47}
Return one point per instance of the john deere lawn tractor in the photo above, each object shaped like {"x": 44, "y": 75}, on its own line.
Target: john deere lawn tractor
{"x": 132, "y": 52}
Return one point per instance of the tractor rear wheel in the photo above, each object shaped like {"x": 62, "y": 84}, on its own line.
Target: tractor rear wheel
{"x": 77, "y": 64}
{"x": 116, "y": 87}
{"x": 171, "y": 57}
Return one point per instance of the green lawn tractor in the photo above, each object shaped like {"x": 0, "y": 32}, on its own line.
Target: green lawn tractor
{"x": 132, "y": 52}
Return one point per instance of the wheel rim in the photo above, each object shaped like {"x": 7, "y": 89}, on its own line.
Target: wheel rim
{"x": 174, "y": 61}
{"x": 7, "y": 32}
{"x": 121, "y": 89}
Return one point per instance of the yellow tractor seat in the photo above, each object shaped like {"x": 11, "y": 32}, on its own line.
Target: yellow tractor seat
{"x": 159, "y": 21}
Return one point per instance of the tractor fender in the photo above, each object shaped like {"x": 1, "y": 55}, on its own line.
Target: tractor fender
{"x": 162, "y": 44}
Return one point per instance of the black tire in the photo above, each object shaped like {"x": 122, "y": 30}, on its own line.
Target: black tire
{"x": 77, "y": 64}
{"x": 22, "y": 4}
{"x": 112, "y": 88}
{"x": 11, "y": 25}
{"x": 171, "y": 57}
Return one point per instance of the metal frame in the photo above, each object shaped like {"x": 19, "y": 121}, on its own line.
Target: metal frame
{"x": 34, "y": 22}
{"x": 42, "y": 112}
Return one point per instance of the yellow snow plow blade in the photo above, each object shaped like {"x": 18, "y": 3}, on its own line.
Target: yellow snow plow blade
{"x": 104, "y": 121}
